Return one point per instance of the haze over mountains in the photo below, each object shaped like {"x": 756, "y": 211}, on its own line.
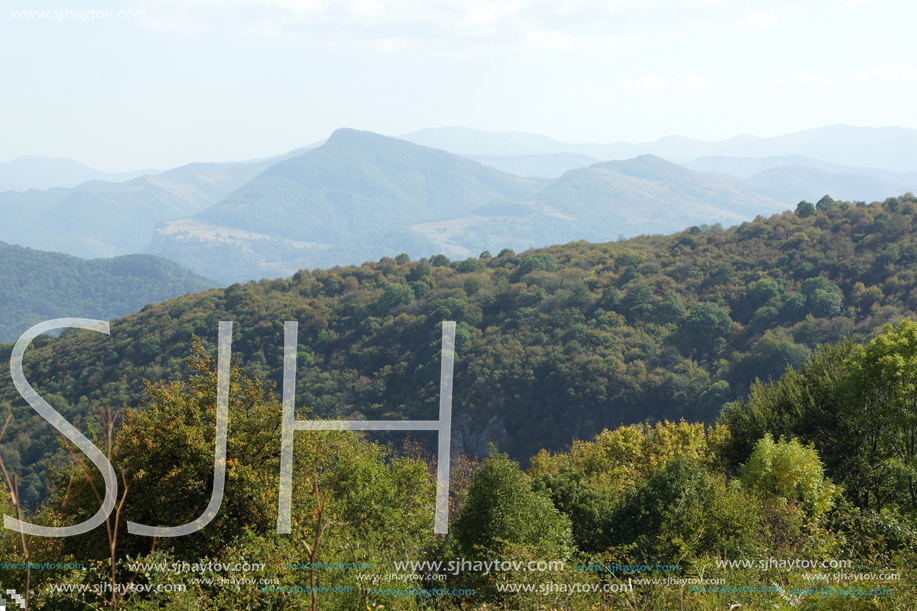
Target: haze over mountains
{"x": 105, "y": 219}
{"x": 360, "y": 196}
{"x": 891, "y": 148}
{"x": 29, "y": 172}
{"x": 547, "y": 165}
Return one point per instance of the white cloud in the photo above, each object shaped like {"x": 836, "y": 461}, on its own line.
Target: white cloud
{"x": 549, "y": 24}
{"x": 767, "y": 19}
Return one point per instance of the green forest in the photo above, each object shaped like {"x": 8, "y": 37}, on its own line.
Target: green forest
{"x": 719, "y": 418}
{"x": 36, "y": 286}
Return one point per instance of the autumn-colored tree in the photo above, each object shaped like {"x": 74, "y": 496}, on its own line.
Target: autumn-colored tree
{"x": 791, "y": 471}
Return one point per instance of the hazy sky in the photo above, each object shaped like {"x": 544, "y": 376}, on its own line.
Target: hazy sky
{"x": 216, "y": 80}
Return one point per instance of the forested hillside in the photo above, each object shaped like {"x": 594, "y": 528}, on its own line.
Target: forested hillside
{"x": 553, "y": 345}
{"x": 36, "y": 286}
{"x": 556, "y": 349}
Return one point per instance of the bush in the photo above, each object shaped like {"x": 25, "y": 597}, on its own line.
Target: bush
{"x": 682, "y": 512}
{"x": 501, "y": 508}
{"x": 586, "y": 506}
{"x": 790, "y": 471}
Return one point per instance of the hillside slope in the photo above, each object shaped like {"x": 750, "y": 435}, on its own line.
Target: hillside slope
{"x": 29, "y": 172}
{"x": 553, "y": 345}
{"x": 106, "y": 219}
{"x": 361, "y": 196}
{"x": 36, "y": 286}
{"x": 649, "y": 195}
{"x": 359, "y": 181}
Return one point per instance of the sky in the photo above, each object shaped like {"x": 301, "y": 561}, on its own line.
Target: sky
{"x": 167, "y": 82}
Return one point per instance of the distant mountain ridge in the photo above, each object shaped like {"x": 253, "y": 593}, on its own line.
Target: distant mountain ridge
{"x": 358, "y": 181}
{"x": 650, "y": 195}
{"x": 105, "y": 219}
{"x": 892, "y": 148}
{"x": 30, "y": 172}
{"x": 36, "y": 286}
{"x": 889, "y": 148}
{"x": 795, "y": 182}
{"x": 746, "y": 167}
{"x": 361, "y": 196}
{"x": 355, "y": 197}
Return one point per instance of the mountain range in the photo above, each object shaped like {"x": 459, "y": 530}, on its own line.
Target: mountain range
{"x": 30, "y": 172}
{"x": 360, "y": 196}
{"x": 885, "y": 149}
{"x": 892, "y": 148}
{"x": 104, "y": 219}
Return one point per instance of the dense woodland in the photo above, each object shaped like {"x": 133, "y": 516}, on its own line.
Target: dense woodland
{"x": 36, "y": 286}
{"x": 715, "y": 394}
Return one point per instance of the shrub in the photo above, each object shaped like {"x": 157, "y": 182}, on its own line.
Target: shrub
{"x": 501, "y": 508}
{"x": 586, "y": 506}
{"x": 790, "y": 471}
{"x": 682, "y": 512}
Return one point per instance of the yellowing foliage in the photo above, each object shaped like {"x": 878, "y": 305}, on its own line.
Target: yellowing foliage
{"x": 617, "y": 460}
{"x": 792, "y": 472}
